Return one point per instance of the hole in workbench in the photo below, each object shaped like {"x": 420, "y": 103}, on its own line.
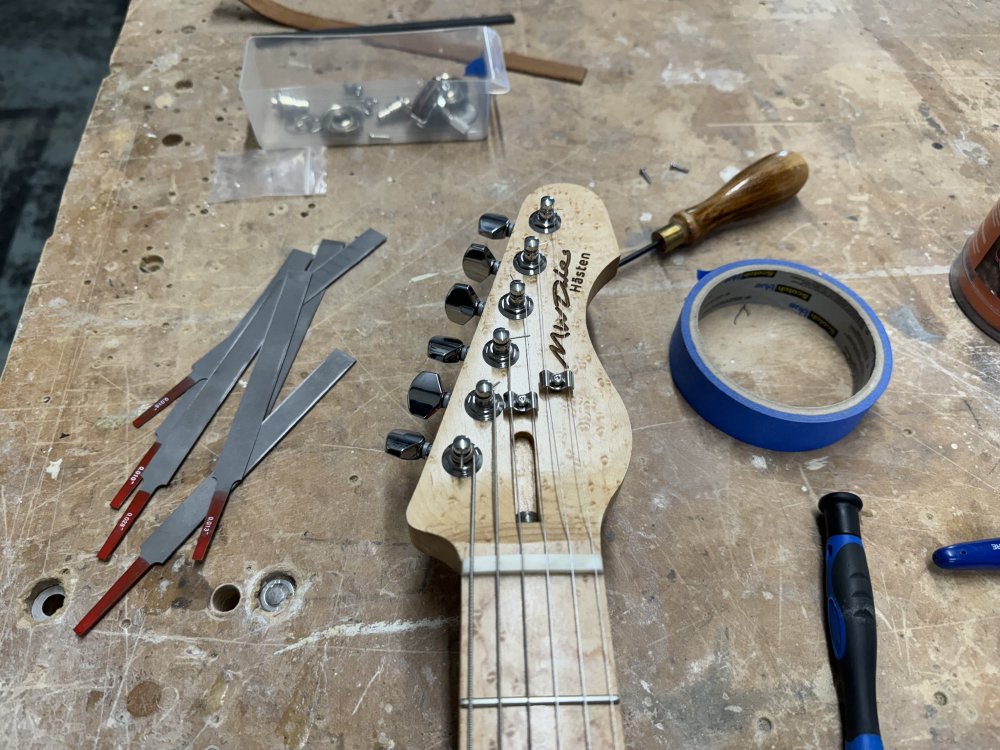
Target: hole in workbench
{"x": 151, "y": 263}
{"x": 172, "y": 139}
{"x": 225, "y": 598}
{"x": 45, "y": 599}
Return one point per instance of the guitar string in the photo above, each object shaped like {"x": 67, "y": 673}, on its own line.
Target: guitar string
{"x": 554, "y": 456}
{"x": 542, "y": 518}
{"x": 471, "y": 630}
{"x": 496, "y": 577}
{"x": 605, "y": 641}
{"x": 520, "y": 547}
{"x": 597, "y": 588}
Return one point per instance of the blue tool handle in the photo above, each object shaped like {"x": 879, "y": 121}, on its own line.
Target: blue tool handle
{"x": 851, "y": 619}
{"x": 980, "y": 555}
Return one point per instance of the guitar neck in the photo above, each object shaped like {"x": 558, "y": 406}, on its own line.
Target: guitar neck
{"x": 537, "y": 668}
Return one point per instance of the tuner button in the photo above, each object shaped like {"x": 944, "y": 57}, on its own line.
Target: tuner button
{"x": 495, "y": 226}
{"x": 479, "y": 263}
{"x": 462, "y": 304}
{"x": 407, "y": 445}
{"x": 446, "y": 349}
{"x": 426, "y": 394}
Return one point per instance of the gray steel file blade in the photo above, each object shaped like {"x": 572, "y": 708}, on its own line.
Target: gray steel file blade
{"x": 187, "y": 517}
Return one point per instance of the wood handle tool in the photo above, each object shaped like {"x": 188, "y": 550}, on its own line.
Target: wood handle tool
{"x": 765, "y": 183}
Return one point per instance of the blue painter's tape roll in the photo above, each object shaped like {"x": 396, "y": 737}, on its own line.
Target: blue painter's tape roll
{"x": 828, "y": 303}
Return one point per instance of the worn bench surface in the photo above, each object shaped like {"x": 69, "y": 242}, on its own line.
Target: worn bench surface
{"x": 713, "y": 554}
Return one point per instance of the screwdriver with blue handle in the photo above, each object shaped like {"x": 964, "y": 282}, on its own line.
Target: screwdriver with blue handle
{"x": 850, "y": 607}
{"x": 983, "y": 554}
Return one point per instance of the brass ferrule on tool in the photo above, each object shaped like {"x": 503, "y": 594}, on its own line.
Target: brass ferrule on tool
{"x": 670, "y": 237}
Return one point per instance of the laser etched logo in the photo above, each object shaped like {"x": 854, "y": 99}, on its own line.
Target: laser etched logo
{"x": 562, "y": 301}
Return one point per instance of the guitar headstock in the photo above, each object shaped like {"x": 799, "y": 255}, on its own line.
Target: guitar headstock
{"x": 535, "y": 441}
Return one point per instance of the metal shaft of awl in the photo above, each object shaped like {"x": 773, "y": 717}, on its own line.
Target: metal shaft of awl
{"x": 236, "y": 453}
{"x": 188, "y": 516}
{"x": 200, "y": 371}
{"x": 199, "y": 411}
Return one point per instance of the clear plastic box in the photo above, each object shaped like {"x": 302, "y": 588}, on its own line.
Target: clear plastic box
{"x": 337, "y": 90}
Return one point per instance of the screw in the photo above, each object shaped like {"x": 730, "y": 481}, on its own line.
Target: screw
{"x": 275, "y": 592}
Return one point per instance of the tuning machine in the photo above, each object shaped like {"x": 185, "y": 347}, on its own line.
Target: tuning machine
{"x": 479, "y": 263}
{"x": 462, "y": 458}
{"x": 495, "y": 226}
{"x": 446, "y": 349}
{"x": 516, "y": 304}
{"x": 545, "y": 220}
{"x": 530, "y": 260}
{"x": 462, "y": 304}
{"x": 426, "y": 394}
{"x": 407, "y": 445}
{"x": 500, "y": 351}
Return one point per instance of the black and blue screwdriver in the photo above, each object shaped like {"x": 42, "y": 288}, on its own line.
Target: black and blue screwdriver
{"x": 850, "y": 611}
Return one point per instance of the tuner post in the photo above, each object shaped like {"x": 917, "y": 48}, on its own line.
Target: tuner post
{"x": 545, "y": 220}
{"x": 482, "y": 403}
{"x": 530, "y": 260}
{"x": 461, "y": 459}
{"x": 500, "y": 351}
{"x": 516, "y": 304}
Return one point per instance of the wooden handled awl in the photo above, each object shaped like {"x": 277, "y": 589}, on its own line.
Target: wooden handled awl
{"x": 765, "y": 183}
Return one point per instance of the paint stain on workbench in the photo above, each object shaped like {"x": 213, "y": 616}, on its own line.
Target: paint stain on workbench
{"x": 906, "y": 320}
{"x": 293, "y": 728}
{"x": 144, "y": 699}
{"x": 189, "y": 591}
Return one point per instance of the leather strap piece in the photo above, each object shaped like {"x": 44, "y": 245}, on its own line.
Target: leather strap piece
{"x": 532, "y": 66}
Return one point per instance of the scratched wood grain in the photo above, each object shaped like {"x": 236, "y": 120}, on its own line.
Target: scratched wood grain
{"x": 713, "y": 559}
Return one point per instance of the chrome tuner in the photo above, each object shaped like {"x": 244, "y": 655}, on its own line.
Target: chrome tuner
{"x": 500, "y": 351}
{"x": 479, "y": 263}
{"x": 462, "y": 304}
{"x": 530, "y": 261}
{"x": 482, "y": 403}
{"x": 545, "y": 219}
{"x": 406, "y": 445}
{"x": 516, "y": 304}
{"x": 462, "y": 458}
{"x": 426, "y": 394}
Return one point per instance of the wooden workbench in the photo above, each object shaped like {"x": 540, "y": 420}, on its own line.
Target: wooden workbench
{"x": 712, "y": 551}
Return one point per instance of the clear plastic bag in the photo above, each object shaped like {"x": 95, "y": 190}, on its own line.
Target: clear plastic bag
{"x": 256, "y": 174}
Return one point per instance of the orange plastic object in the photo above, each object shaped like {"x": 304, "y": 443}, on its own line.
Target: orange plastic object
{"x": 975, "y": 275}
